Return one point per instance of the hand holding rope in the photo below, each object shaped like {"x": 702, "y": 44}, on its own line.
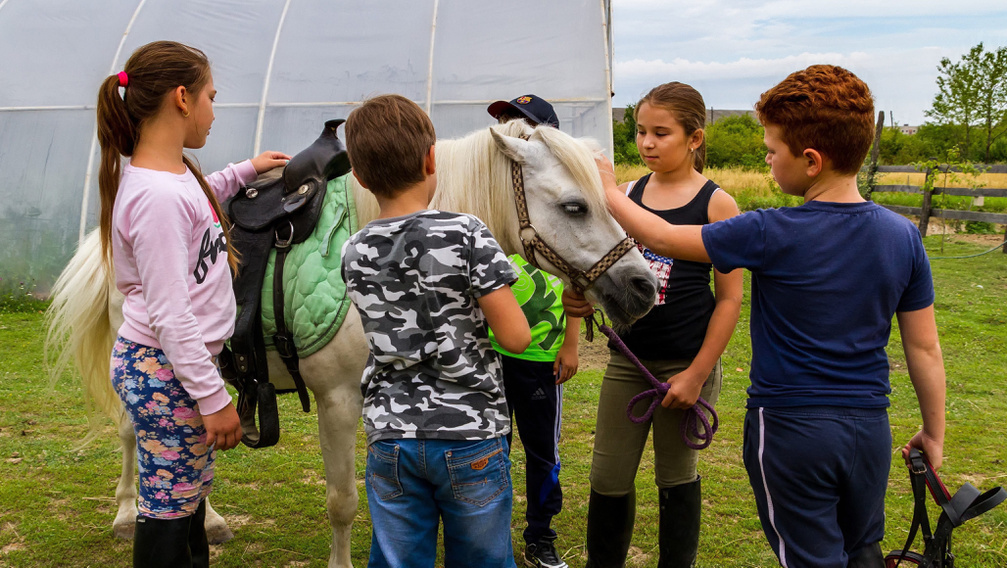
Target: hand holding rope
{"x": 695, "y": 424}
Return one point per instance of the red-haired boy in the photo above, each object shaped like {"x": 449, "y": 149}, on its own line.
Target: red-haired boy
{"x": 827, "y": 277}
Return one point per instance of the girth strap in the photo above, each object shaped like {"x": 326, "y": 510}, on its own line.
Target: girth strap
{"x": 283, "y": 340}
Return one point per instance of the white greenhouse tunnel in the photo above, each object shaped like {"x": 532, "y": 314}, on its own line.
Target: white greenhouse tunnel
{"x": 281, "y": 68}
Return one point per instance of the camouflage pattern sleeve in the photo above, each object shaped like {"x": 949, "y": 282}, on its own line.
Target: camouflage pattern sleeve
{"x": 489, "y": 268}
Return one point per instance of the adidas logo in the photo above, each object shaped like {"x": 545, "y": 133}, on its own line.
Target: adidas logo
{"x": 539, "y": 394}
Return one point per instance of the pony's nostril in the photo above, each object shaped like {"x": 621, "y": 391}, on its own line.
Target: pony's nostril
{"x": 643, "y": 286}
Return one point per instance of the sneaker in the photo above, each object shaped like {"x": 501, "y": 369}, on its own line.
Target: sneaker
{"x": 542, "y": 554}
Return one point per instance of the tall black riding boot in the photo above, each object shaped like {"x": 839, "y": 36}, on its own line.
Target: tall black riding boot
{"x": 161, "y": 543}
{"x": 199, "y": 547}
{"x": 869, "y": 556}
{"x": 609, "y": 529}
{"x": 679, "y": 529}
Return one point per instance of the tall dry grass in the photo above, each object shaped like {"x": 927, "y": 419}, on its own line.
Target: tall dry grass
{"x": 758, "y": 190}
{"x": 738, "y": 179}
{"x": 944, "y": 180}
{"x": 730, "y": 179}
{"x": 751, "y": 189}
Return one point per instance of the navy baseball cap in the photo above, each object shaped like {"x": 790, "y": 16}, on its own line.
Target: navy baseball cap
{"x": 533, "y": 108}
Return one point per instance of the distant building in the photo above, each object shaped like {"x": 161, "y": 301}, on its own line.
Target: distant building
{"x": 712, "y": 115}
{"x": 908, "y": 130}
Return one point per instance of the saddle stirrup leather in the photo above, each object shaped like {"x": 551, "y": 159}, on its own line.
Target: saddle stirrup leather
{"x": 273, "y": 212}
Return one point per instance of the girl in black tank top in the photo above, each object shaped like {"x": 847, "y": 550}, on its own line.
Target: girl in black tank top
{"x": 688, "y": 321}
{"x": 680, "y": 340}
{"x": 676, "y": 326}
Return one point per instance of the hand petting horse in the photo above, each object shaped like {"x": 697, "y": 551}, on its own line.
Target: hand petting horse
{"x": 566, "y": 211}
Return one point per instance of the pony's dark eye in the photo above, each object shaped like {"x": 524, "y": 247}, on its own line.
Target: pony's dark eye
{"x": 574, "y": 208}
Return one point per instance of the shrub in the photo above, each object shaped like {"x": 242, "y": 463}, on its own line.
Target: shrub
{"x": 980, "y": 228}
{"x": 736, "y": 141}
{"x": 19, "y": 299}
{"x": 624, "y": 140}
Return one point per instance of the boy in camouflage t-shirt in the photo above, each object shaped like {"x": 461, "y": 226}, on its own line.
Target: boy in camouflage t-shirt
{"x": 426, "y": 284}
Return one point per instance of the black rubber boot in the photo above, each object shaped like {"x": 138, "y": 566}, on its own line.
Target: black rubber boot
{"x": 199, "y": 547}
{"x": 869, "y": 556}
{"x": 679, "y": 529}
{"x": 609, "y": 529}
{"x": 161, "y": 543}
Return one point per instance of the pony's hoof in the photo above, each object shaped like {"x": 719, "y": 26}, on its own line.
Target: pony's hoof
{"x": 218, "y": 534}
{"x": 124, "y": 531}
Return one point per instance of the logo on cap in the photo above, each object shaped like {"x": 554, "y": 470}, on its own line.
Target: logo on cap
{"x": 523, "y": 100}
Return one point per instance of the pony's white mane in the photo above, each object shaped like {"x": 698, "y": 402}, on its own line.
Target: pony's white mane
{"x": 474, "y": 176}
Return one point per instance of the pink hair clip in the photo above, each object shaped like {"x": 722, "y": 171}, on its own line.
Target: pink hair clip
{"x": 123, "y": 79}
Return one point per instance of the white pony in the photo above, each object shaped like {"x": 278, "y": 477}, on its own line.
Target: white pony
{"x": 566, "y": 205}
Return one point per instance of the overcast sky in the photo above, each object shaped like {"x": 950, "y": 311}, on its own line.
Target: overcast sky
{"x": 733, "y": 50}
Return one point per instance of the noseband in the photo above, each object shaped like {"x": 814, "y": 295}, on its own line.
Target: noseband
{"x": 581, "y": 280}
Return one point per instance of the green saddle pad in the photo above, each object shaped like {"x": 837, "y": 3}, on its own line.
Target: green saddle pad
{"x": 314, "y": 294}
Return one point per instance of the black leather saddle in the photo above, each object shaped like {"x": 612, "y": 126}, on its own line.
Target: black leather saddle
{"x": 273, "y": 212}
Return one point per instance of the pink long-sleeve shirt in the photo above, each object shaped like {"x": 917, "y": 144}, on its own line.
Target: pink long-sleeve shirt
{"x": 170, "y": 256}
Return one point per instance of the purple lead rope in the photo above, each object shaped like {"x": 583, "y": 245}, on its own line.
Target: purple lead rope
{"x": 694, "y": 424}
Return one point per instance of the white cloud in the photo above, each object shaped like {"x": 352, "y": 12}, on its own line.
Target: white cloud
{"x": 902, "y": 81}
{"x": 761, "y": 9}
{"x": 733, "y": 50}
{"x": 741, "y": 68}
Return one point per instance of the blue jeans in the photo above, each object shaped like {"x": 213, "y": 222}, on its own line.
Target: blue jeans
{"x": 414, "y": 484}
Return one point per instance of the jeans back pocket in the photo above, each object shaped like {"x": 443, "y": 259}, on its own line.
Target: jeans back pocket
{"x": 479, "y": 472}
{"x": 383, "y": 469}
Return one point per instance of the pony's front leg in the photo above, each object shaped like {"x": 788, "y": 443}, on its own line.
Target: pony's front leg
{"x": 338, "y": 416}
{"x": 333, "y": 374}
{"x": 125, "y": 491}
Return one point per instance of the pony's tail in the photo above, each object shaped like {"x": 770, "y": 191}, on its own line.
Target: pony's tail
{"x": 80, "y": 329}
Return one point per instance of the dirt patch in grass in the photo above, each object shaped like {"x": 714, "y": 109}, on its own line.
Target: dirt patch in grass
{"x": 16, "y": 540}
{"x": 594, "y": 354}
{"x": 937, "y": 226}
{"x": 982, "y": 240}
{"x": 312, "y": 477}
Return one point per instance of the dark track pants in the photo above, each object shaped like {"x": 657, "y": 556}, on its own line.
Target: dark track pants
{"x": 536, "y": 407}
{"x": 819, "y": 475}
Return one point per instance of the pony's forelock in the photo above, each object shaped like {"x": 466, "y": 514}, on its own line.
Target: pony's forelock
{"x": 577, "y": 154}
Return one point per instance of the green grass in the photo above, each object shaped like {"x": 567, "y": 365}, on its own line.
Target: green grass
{"x": 56, "y": 503}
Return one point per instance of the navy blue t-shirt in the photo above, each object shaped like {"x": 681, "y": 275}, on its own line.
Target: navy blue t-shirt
{"x": 826, "y": 280}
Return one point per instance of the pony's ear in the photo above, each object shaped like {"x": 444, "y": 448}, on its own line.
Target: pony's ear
{"x": 513, "y": 148}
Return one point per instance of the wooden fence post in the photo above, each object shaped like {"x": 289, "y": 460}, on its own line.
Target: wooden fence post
{"x": 872, "y": 169}
{"x": 928, "y": 191}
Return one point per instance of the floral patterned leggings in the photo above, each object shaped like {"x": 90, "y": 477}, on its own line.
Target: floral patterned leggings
{"x": 175, "y": 466}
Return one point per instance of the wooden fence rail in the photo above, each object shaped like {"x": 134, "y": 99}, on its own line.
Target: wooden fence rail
{"x": 926, "y": 211}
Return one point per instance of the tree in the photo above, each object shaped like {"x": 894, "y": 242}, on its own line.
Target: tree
{"x": 735, "y": 141}
{"x": 972, "y": 92}
{"x": 624, "y": 139}
{"x": 993, "y": 101}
